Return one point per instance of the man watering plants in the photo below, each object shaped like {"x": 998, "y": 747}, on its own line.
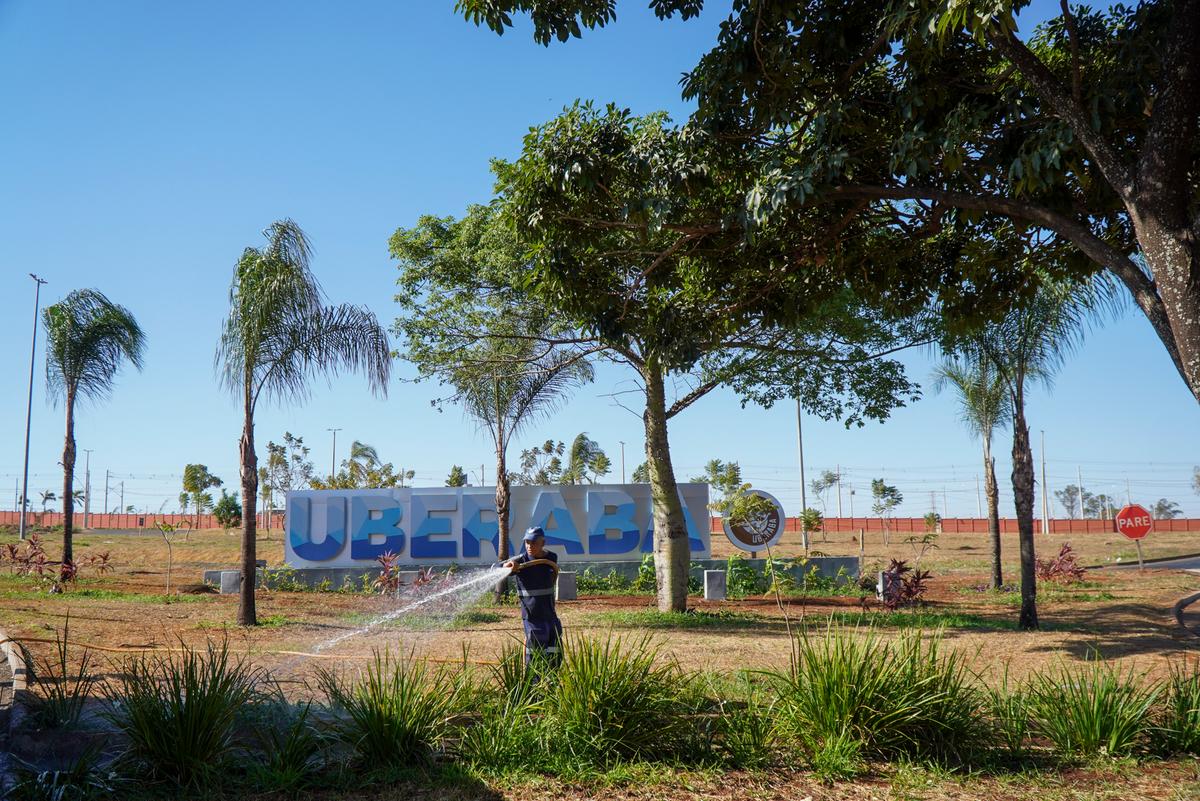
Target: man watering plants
{"x": 536, "y": 572}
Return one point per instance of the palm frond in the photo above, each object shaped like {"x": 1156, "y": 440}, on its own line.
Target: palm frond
{"x": 88, "y": 337}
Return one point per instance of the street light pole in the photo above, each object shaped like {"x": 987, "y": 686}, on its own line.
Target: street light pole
{"x": 87, "y": 488}
{"x": 1045, "y": 492}
{"x": 622, "y": 462}
{"x": 333, "y": 458}
{"x": 37, "y": 299}
{"x": 803, "y": 496}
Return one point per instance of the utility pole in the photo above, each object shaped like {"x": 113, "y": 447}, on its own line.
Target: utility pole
{"x": 1079, "y": 478}
{"x": 622, "y": 462}
{"x": 333, "y": 458}
{"x": 24, "y": 499}
{"x": 945, "y": 504}
{"x": 105, "y": 492}
{"x": 803, "y": 496}
{"x": 851, "y": 488}
{"x": 1045, "y": 491}
{"x": 87, "y": 488}
{"x": 978, "y": 498}
{"x": 122, "y": 497}
{"x": 839, "y": 488}
{"x": 1128, "y": 491}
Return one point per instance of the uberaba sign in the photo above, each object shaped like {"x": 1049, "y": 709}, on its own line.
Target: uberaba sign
{"x": 592, "y": 522}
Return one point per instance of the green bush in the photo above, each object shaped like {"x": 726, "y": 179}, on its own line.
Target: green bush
{"x": 1179, "y": 729}
{"x": 291, "y": 746}
{"x": 1008, "y": 709}
{"x": 179, "y": 713}
{"x": 1097, "y": 710}
{"x": 898, "y": 698}
{"x": 396, "y": 712}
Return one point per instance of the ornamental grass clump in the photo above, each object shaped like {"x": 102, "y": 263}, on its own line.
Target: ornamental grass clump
{"x": 1096, "y": 710}
{"x": 61, "y": 691}
{"x": 395, "y": 713}
{"x": 1178, "y": 730}
{"x": 612, "y": 700}
{"x": 849, "y": 692}
{"x": 179, "y": 712}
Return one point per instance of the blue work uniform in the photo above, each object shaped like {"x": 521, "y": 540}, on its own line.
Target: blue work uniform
{"x": 535, "y": 591}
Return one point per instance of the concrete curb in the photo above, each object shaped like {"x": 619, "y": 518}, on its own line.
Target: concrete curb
{"x": 1155, "y": 561}
{"x": 15, "y": 685}
{"x": 1181, "y": 605}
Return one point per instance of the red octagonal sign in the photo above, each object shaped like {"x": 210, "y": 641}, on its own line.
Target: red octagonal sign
{"x": 1134, "y": 521}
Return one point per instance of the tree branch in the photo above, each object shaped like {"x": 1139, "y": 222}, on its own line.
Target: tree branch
{"x": 1051, "y": 91}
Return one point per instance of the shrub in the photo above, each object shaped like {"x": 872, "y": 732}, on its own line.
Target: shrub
{"x": 396, "y": 712}
{"x": 611, "y": 701}
{"x": 743, "y": 732}
{"x": 1096, "y": 710}
{"x": 892, "y": 698}
{"x": 1179, "y": 729}
{"x": 60, "y": 692}
{"x": 84, "y": 780}
{"x": 179, "y": 713}
{"x": 903, "y": 586}
{"x": 291, "y": 746}
{"x": 1064, "y": 568}
{"x": 741, "y": 579}
{"x": 1008, "y": 710}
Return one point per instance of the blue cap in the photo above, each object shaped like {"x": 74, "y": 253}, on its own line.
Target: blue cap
{"x": 532, "y": 534}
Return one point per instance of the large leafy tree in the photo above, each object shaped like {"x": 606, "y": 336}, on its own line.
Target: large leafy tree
{"x": 1028, "y": 346}
{"x": 277, "y": 337}
{"x": 628, "y": 232}
{"x": 938, "y": 115}
{"x": 364, "y": 469}
{"x": 985, "y": 404}
{"x": 88, "y": 338}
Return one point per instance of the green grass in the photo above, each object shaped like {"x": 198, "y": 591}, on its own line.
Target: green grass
{"x": 734, "y": 621}
{"x": 684, "y": 621}
{"x": 98, "y": 594}
{"x": 417, "y": 622}
{"x": 1048, "y": 592}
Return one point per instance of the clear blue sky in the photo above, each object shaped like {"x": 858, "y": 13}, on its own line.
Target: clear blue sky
{"x": 145, "y": 144}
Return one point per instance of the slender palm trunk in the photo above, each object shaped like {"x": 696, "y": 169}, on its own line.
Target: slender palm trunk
{"x": 1023, "y": 490}
{"x": 247, "y": 616}
{"x": 68, "y": 461}
{"x": 992, "y": 490}
{"x": 671, "y": 547}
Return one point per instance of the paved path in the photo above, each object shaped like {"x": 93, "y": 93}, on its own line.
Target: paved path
{"x": 1191, "y": 562}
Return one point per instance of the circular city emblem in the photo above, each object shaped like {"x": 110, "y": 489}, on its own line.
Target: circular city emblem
{"x": 762, "y": 530}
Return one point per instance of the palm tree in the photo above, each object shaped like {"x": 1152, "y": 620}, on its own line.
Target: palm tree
{"x": 1029, "y": 345}
{"x": 47, "y": 497}
{"x": 87, "y": 339}
{"x": 505, "y": 384}
{"x": 985, "y": 405}
{"x": 279, "y": 335}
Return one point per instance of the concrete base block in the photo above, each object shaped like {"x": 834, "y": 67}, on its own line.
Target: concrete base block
{"x": 231, "y": 582}
{"x": 566, "y": 589}
{"x": 714, "y": 585}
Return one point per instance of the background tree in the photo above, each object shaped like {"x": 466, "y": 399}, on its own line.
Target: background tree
{"x": 586, "y": 462}
{"x": 1069, "y": 497}
{"x": 364, "y": 470}
{"x": 723, "y": 477}
{"x": 1196, "y": 479}
{"x": 228, "y": 511}
{"x": 1102, "y": 506}
{"x": 457, "y": 477}
{"x": 1027, "y": 346}
{"x": 884, "y": 500}
{"x": 821, "y": 486}
{"x": 288, "y": 465}
{"x": 641, "y": 474}
{"x": 1165, "y": 509}
{"x": 47, "y": 497}
{"x": 542, "y": 464}
{"x": 984, "y": 404}
{"x": 1085, "y": 133}
{"x": 196, "y": 483}
{"x": 277, "y": 336}
{"x": 88, "y": 338}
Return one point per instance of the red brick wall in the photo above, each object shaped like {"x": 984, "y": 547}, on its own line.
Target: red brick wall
{"x": 975, "y": 525}
{"x": 124, "y": 520}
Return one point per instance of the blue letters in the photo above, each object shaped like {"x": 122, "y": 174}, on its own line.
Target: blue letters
{"x": 385, "y": 527}
{"x": 424, "y": 546}
{"x": 600, "y": 522}
{"x": 302, "y": 513}
{"x": 552, "y": 515}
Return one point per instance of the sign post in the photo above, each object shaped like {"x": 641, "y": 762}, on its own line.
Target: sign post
{"x": 1135, "y": 523}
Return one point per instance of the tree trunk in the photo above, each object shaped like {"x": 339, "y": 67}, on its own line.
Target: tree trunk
{"x": 502, "y": 505}
{"x": 68, "y": 461}
{"x": 247, "y": 616}
{"x": 992, "y": 490}
{"x": 1022, "y": 479}
{"x": 1173, "y": 255}
{"x": 671, "y": 548}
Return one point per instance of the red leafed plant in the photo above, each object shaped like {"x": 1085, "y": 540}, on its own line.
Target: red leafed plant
{"x": 389, "y": 573}
{"x": 903, "y": 586}
{"x": 1064, "y": 568}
